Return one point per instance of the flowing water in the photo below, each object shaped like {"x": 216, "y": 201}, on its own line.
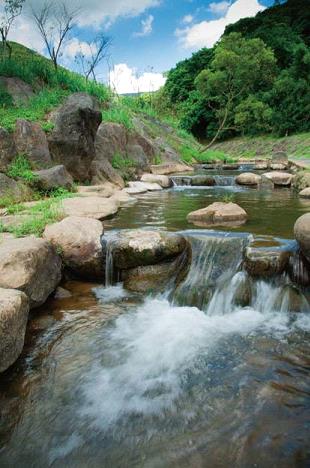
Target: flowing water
{"x": 214, "y": 373}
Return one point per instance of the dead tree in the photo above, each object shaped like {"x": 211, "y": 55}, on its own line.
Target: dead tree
{"x": 95, "y": 52}
{"x": 11, "y": 10}
{"x": 54, "y": 21}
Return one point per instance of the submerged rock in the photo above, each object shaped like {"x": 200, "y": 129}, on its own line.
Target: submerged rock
{"x": 78, "y": 241}
{"x": 137, "y": 248}
{"x": 302, "y": 234}
{"x": 30, "y": 265}
{"x": 219, "y": 213}
{"x": 162, "y": 180}
{"x": 265, "y": 263}
{"x": 248, "y": 178}
{"x": 14, "y": 309}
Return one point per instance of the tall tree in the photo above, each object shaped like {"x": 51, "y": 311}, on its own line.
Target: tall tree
{"x": 10, "y": 11}
{"x": 54, "y": 21}
{"x": 240, "y": 67}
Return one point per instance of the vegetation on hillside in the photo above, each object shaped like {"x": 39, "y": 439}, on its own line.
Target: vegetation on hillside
{"x": 255, "y": 80}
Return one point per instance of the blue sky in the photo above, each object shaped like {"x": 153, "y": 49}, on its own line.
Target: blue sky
{"x": 148, "y": 36}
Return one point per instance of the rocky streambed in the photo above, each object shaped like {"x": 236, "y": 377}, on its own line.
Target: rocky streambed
{"x": 187, "y": 339}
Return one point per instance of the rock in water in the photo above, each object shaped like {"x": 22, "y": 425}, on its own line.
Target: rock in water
{"x": 78, "y": 240}
{"x": 30, "y": 265}
{"x": 248, "y": 178}
{"x": 14, "y": 309}
{"x": 202, "y": 180}
{"x": 279, "y": 178}
{"x": 305, "y": 193}
{"x": 136, "y": 248}
{"x": 72, "y": 142}
{"x": 219, "y": 213}
{"x": 265, "y": 263}
{"x": 301, "y": 180}
{"x": 302, "y": 234}
{"x": 170, "y": 168}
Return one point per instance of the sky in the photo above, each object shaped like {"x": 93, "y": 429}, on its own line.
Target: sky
{"x": 148, "y": 37}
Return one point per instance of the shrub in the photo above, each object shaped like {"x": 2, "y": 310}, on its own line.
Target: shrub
{"x": 119, "y": 162}
{"x": 20, "y": 167}
{"x": 118, "y": 114}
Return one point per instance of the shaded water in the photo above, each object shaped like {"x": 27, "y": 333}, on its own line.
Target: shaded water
{"x": 114, "y": 379}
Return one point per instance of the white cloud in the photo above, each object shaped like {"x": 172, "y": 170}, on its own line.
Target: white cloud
{"x": 219, "y": 8}
{"x": 124, "y": 79}
{"x": 207, "y": 33}
{"x": 74, "y": 46}
{"x": 187, "y": 19}
{"x": 94, "y": 13}
{"x": 146, "y": 27}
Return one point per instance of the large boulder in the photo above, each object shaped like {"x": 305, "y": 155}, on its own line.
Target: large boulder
{"x": 31, "y": 140}
{"x": 20, "y": 91}
{"x": 202, "y": 180}
{"x": 170, "y": 168}
{"x": 90, "y": 207}
{"x": 104, "y": 190}
{"x": 78, "y": 240}
{"x": 72, "y": 141}
{"x": 30, "y": 265}
{"x": 248, "y": 178}
{"x": 302, "y": 234}
{"x": 218, "y": 213}
{"x": 7, "y": 149}
{"x": 14, "y": 309}
{"x": 136, "y": 248}
{"x": 301, "y": 180}
{"x": 265, "y": 262}
{"x": 144, "y": 186}
{"x": 111, "y": 139}
{"x": 53, "y": 178}
{"x": 163, "y": 180}
{"x": 10, "y": 188}
{"x": 280, "y": 179}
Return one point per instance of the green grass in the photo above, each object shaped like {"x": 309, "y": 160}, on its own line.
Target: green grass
{"x": 157, "y": 159}
{"x": 118, "y": 162}
{"x": 50, "y": 87}
{"x": 20, "y": 168}
{"x": 227, "y": 198}
{"x": 214, "y": 156}
{"x": 118, "y": 114}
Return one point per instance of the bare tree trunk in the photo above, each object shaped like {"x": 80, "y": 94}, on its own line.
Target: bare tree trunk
{"x": 219, "y": 131}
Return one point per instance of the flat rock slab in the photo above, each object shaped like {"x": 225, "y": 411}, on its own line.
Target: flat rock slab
{"x": 162, "y": 180}
{"x": 170, "y": 168}
{"x": 219, "y": 213}
{"x": 30, "y": 265}
{"x": 14, "y": 309}
{"x": 90, "y": 207}
{"x": 104, "y": 190}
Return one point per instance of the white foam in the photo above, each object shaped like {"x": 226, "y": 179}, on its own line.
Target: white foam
{"x": 110, "y": 293}
{"x": 147, "y": 352}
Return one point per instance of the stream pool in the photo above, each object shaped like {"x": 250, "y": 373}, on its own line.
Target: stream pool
{"x": 115, "y": 379}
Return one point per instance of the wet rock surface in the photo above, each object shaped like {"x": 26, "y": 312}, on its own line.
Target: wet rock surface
{"x": 78, "y": 241}
{"x": 14, "y": 309}
{"x": 265, "y": 262}
{"x": 302, "y": 234}
{"x": 248, "y": 178}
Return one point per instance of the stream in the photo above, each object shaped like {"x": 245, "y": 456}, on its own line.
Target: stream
{"x": 188, "y": 378}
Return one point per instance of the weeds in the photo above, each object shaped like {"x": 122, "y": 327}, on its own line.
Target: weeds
{"x": 118, "y": 114}
{"x": 227, "y": 198}
{"x": 20, "y": 168}
{"x": 118, "y": 162}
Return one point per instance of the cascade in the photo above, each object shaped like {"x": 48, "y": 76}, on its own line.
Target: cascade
{"x": 224, "y": 181}
{"x": 181, "y": 181}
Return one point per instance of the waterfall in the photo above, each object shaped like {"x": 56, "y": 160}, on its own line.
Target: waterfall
{"x": 299, "y": 269}
{"x": 224, "y": 181}
{"x": 107, "y": 242}
{"x": 181, "y": 181}
{"x": 215, "y": 261}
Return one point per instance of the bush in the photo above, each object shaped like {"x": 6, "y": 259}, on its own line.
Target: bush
{"x": 119, "y": 162}
{"x": 20, "y": 168}
{"x": 118, "y": 114}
